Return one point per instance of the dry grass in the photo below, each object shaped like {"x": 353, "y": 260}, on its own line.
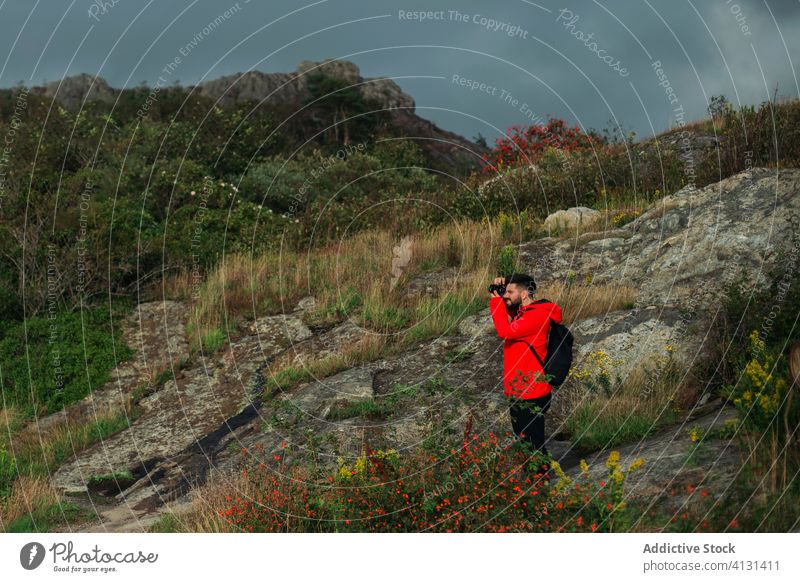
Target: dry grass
{"x": 585, "y": 300}
{"x": 178, "y": 286}
{"x": 368, "y": 348}
{"x": 218, "y": 493}
{"x": 467, "y": 244}
{"x": 34, "y": 441}
{"x": 353, "y": 275}
{"x": 647, "y": 390}
{"x": 700, "y": 126}
{"x": 38, "y": 454}
{"x": 359, "y": 268}
{"x": 27, "y": 494}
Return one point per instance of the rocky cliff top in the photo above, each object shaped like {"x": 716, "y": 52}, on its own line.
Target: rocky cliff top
{"x": 274, "y": 88}
{"x": 445, "y": 149}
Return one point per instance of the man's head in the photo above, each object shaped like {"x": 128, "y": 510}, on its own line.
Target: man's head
{"x": 519, "y": 290}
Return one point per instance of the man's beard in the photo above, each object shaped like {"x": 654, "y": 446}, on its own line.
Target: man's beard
{"x": 513, "y": 306}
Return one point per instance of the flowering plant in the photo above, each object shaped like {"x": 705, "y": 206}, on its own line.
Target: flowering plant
{"x": 759, "y": 393}
{"x": 522, "y": 145}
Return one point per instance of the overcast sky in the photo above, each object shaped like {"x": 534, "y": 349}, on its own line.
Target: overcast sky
{"x": 586, "y": 61}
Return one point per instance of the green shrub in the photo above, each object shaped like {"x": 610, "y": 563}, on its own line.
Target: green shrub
{"x": 508, "y": 262}
{"x": 213, "y": 340}
{"x": 48, "y": 364}
{"x": 45, "y": 519}
{"x": 8, "y": 472}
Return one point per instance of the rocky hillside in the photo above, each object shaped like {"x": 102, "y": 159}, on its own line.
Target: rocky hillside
{"x": 677, "y": 254}
{"x": 444, "y": 148}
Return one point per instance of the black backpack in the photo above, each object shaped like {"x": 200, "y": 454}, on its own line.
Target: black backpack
{"x": 558, "y": 360}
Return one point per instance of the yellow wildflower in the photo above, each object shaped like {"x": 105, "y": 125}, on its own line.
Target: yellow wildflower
{"x": 613, "y": 459}
{"x": 563, "y": 479}
{"x": 344, "y": 471}
{"x": 636, "y": 464}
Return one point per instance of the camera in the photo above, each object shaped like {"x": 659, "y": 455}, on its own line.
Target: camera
{"x": 501, "y": 289}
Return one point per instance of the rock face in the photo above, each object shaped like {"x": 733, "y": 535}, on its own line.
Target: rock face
{"x": 317, "y": 399}
{"x": 292, "y": 88}
{"x": 682, "y": 251}
{"x": 171, "y": 446}
{"x": 71, "y": 92}
{"x": 635, "y": 338}
{"x": 678, "y": 253}
{"x": 157, "y": 334}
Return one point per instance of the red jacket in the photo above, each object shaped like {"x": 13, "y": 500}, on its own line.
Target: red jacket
{"x": 531, "y": 324}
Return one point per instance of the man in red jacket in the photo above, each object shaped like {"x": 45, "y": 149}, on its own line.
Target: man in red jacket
{"x": 524, "y": 383}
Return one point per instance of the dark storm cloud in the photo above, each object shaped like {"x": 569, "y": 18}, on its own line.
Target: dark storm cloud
{"x": 538, "y": 61}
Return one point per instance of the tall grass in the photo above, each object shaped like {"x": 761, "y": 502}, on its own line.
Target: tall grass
{"x": 353, "y": 274}
{"x": 30, "y": 495}
{"x": 605, "y": 411}
{"x": 36, "y": 455}
{"x": 582, "y": 299}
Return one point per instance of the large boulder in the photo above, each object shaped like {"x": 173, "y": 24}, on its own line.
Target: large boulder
{"x": 634, "y": 339}
{"x": 571, "y": 219}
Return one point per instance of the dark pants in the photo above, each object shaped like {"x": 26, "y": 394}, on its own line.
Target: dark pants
{"x": 528, "y": 421}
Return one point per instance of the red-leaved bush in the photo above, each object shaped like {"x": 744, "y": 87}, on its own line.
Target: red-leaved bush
{"x": 522, "y": 145}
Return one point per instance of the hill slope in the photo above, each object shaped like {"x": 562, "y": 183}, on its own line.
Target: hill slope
{"x": 197, "y": 422}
